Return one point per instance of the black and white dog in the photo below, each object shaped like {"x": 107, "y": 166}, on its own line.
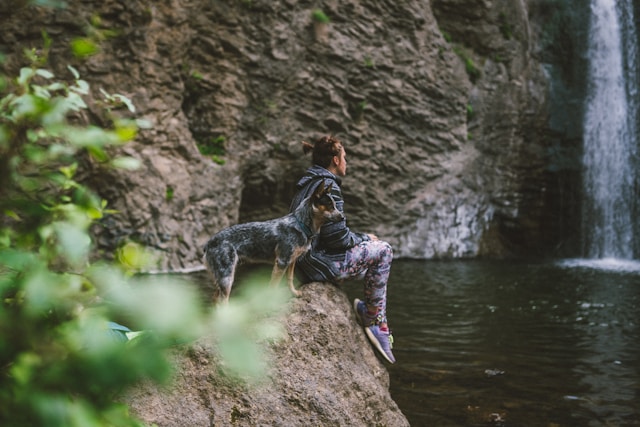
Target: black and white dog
{"x": 280, "y": 241}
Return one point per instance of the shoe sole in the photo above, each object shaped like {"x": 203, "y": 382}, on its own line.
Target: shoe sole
{"x": 372, "y": 338}
{"x": 376, "y": 344}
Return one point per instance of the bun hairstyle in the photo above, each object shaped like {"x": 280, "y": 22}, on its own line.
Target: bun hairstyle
{"x": 323, "y": 150}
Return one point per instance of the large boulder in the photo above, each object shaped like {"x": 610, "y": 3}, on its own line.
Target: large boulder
{"x": 323, "y": 373}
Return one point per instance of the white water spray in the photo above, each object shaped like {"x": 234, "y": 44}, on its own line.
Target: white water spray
{"x": 610, "y": 133}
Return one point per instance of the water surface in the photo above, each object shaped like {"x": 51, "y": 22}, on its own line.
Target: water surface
{"x": 515, "y": 344}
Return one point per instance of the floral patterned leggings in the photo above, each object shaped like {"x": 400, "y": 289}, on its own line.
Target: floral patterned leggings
{"x": 370, "y": 260}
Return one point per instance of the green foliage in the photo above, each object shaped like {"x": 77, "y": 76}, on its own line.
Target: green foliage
{"x": 169, "y": 193}
{"x": 83, "y": 47}
{"x": 63, "y": 360}
{"x": 59, "y": 363}
{"x": 213, "y": 147}
{"x": 470, "y": 112}
{"x": 506, "y": 29}
{"x": 320, "y": 17}
{"x": 472, "y": 70}
{"x": 470, "y": 66}
{"x": 362, "y": 105}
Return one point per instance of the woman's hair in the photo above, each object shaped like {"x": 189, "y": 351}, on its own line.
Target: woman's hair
{"x": 324, "y": 149}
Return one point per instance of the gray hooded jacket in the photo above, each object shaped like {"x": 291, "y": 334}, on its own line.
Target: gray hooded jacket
{"x": 334, "y": 238}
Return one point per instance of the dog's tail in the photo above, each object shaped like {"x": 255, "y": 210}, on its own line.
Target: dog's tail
{"x": 220, "y": 258}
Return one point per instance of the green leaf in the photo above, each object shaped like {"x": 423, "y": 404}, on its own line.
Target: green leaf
{"x": 45, "y": 73}
{"x": 25, "y": 75}
{"x": 144, "y": 124}
{"x": 128, "y": 163}
{"x": 75, "y": 102}
{"x": 94, "y": 213}
{"x": 25, "y": 105}
{"x": 126, "y": 133}
{"x": 84, "y": 47}
{"x": 25, "y": 367}
{"x": 126, "y": 101}
{"x": 41, "y": 92}
{"x": 76, "y": 74}
{"x": 69, "y": 171}
{"x": 81, "y": 87}
{"x": 91, "y": 137}
{"x": 134, "y": 257}
{"x": 73, "y": 242}
{"x": 53, "y": 87}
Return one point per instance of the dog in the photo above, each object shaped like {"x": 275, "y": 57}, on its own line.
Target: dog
{"x": 281, "y": 241}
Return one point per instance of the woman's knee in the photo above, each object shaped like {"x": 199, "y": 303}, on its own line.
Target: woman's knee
{"x": 384, "y": 250}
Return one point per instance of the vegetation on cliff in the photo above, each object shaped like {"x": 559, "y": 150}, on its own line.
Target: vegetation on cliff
{"x": 63, "y": 359}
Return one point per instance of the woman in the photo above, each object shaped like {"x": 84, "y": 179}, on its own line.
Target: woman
{"x": 339, "y": 253}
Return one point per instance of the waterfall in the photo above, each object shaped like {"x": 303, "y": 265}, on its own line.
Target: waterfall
{"x": 610, "y": 211}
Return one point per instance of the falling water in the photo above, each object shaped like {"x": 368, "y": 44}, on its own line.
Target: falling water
{"x": 610, "y": 214}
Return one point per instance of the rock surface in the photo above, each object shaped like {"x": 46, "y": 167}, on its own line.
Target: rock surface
{"x": 442, "y": 112}
{"x": 324, "y": 373}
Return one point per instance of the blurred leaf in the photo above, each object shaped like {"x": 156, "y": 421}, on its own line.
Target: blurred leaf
{"x": 73, "y": 242}
{"x": 128, "y": 163}
{"x": 246, "y": 323}
{"x": 143, "y": 124}
{"x": 126, "y": 133}
{"x": 75, "y": 72}
{"x": 24, "y": 367}
{"x": 45, "y": 73}
{"x": 124, "y": 100}
{"x": 164, "y": 306}
{"x": 84, "y": 47}
{"x": 26, "y": 74}
{"x": 134, "y": 257}
{"x": 46, "y": 291}
{"x": 69, "y": 171}
{"x": 81, "y": 87}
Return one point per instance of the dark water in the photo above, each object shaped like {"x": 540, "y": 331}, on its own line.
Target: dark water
{"x": 483, "y": 343}
{"x": 514, "y": 344}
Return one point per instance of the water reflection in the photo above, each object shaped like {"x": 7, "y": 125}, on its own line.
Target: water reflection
{"x": 493, "y": 343}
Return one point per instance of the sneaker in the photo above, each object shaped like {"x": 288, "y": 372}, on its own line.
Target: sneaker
{"x": 381, "y": 340}
{"x": 364, "y": 318}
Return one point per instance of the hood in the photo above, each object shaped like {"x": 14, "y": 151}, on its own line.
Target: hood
{"x": 315, "y": 172}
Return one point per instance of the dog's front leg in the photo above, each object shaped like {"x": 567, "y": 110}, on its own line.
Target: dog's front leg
{"x": 290, "y": 270}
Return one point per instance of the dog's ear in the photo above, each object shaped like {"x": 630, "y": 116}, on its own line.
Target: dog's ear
{"x": 321, "y": 189}
{"x": 327, "y": 189}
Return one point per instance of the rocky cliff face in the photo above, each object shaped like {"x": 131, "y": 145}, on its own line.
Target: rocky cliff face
{"x": 441, "y": 106}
